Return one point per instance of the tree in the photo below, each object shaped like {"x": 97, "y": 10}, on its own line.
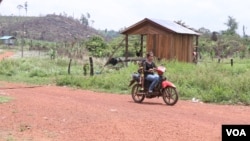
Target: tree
{"x": 88, "y": 15}
{"x": 244, "y": 31}
{"x": 204, "y": 30}
{"x": 97, "y": 46}
{"x": 19, "y": 7}
{"x": 232, "y": 26}
{"x": 26, "y": 7}
{"x": 214, "y": 36}
{"x": 84, "y": 20}
{"x": 92, "y": 22}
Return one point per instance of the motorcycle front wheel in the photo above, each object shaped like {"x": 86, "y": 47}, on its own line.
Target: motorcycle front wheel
{"x": 137, "y": 96}
{"x": 170, "y": 95}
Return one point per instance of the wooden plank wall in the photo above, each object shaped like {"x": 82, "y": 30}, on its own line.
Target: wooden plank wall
{"x": 171, "y": 46}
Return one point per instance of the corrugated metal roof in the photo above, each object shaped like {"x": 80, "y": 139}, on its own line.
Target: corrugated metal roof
{"x": 174, "y": 26}
{"x": 170, "y": 25}
{"x": 7, "y": 37}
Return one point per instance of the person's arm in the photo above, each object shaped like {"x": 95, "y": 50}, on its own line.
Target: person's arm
{"x": 154, "y": 67}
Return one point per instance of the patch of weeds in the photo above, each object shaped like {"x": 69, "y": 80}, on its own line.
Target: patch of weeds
{"x": 24, "y": 127}
{"x": 6, "y": 136}
{"x": 10, "y": 138}
{"x": 4, "y": 99}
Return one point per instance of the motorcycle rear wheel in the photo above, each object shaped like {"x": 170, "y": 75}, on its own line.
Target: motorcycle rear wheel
{"x": 170, "y": 95}
{"x": 137, "y": 96}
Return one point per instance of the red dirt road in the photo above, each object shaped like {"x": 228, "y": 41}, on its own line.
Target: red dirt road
{"x": 6, "y": 55}
{"x": 51, "y": 113}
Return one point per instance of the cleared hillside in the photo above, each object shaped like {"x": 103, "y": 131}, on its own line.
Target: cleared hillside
{"x": 50, "y": 28}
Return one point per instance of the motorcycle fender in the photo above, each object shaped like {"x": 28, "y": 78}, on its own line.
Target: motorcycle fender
{"x": 164, "y": 84}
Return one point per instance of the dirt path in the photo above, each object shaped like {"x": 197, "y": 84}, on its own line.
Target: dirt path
{"x": 6, "y": 55}
{"x": 51, "y": 113}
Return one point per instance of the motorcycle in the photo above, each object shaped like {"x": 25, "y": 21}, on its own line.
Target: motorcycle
{"x": 165, "y": 89}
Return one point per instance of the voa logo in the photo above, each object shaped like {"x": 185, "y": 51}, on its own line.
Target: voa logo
{"x": 236, "y": 132}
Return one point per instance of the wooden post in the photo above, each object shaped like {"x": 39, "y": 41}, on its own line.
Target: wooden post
{"x": 22, "y": 42}
{"x": 91, "y": 66}
{"x": 70, "y": 60}
{"x": 141, "y": 53}
{"x": 126, "y": 51}
{"x": 232, "y": 62}
{"x": 196, "y": 48}
{"x": 85, "y": 69}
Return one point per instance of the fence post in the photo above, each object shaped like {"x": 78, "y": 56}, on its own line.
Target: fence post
{"x": 232, "y": 62}
{"x": 91, "y": 66}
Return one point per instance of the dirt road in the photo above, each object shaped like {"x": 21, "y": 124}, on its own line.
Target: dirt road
{"x": 51, "y": 113}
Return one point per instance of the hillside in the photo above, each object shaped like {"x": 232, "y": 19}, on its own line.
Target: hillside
{"x": 49, "y": 28}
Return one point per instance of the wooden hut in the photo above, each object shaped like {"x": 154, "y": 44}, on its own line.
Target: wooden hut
{"x": 8, "y": 40}
{"x": 168, "y": 40}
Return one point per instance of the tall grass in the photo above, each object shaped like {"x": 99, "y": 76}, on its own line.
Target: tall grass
{"x": 210, "y": 82}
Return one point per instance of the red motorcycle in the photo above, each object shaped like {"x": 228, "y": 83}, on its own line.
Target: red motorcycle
{"x": 165, "y": 89}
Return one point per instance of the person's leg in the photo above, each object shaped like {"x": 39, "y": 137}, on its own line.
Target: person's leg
{"x": 154, "y": 79}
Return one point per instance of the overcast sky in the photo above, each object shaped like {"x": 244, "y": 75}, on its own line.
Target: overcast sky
{"x": 117, "y": 14}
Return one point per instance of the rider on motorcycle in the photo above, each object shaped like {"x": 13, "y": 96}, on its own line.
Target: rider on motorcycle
{"x": 148, "y": 69}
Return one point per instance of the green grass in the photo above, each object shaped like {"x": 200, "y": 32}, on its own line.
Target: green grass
{"x": 209, "y": 81}
{"x": 4, "y": 99}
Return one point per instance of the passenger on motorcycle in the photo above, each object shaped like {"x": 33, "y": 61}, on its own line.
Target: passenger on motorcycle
{"x": 149, "y": 68}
